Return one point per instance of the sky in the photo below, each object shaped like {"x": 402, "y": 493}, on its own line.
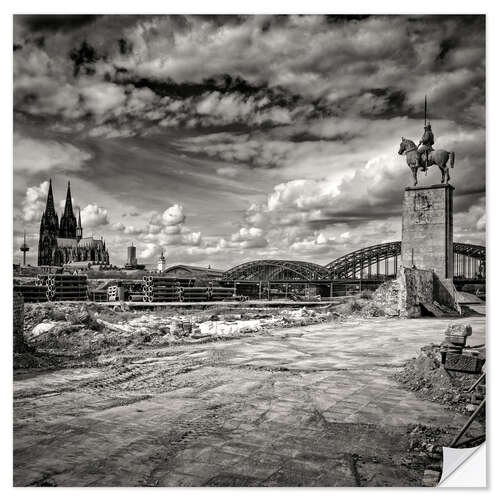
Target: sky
{"x": 224, "y": 139}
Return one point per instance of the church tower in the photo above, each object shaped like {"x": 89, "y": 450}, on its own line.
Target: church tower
{"x": 49, "y": 229}
{"x": 67, "y": 228}
{"x": 161, "y": 263}
{"x": 79, "y": 230}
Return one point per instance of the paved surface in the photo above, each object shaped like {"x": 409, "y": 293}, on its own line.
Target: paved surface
{"x": 310, "y": 406}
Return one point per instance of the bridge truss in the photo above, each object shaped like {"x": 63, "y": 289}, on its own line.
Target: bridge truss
{"x": 377, "y": 262}
{"x": 277, "y": 270}
{"x": 381, "y": 261}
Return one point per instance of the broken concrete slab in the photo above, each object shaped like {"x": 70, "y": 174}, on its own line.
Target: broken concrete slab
{"x": 463, "y": 363}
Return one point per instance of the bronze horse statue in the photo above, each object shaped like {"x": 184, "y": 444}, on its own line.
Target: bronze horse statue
{"x": 437, "y": 157}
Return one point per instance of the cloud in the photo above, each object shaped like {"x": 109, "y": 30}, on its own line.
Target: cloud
{"x": 229, "y": 171}
{"x": 164, "y": 229}
{"x": 131, "y": 230}
{"x": 296, "y": 119}
{"x": 36, "y": 156}
{"x": 469, "y": 226}
{"x": 99, "y": 98}
{"x": 173, "y": 215}
{"x": 252, "y": 237}
{"x": 94, "y": 216}
{"x": 149, "y": 251}
{"x": 34, "y": 202}
{"x": 274, "y": 70}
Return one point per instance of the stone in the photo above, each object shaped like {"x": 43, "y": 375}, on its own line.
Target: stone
{"x": 41, "y": 328}
{"x": 415, "y": 288}
{"x": 463, "y": 363}
{"x": 458, "y": 329}
{"x": 427, "y": 236}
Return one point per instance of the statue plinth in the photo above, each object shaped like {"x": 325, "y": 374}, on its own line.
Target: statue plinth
{"x": 427, "y": 237}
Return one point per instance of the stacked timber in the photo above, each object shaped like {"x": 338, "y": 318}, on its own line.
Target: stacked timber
{"x": 62, "y": 287}
{"x": 220, "y": 293}
{"x": 164, "y": 289}
{"x": 195, "y": 294}
{"x": 174, "y": 289}
{"x": 136, "y": 297}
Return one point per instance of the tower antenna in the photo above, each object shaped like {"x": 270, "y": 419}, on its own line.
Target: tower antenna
{"x": 425, "y": 111}
{"x": 24, "y": 249}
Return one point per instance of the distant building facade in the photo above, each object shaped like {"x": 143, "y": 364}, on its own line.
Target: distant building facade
{"x": 62, "y": 242}
{"x": 131, "y": 263}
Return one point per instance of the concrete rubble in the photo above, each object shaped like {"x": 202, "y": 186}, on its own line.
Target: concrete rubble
{"x": 92, "y": 329}
{"x": 445, "y": 372}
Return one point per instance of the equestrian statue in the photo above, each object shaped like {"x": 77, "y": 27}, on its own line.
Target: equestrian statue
{"x": 423, "y": 156}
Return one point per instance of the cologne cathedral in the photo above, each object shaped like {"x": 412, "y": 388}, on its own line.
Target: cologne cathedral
{"x": 63, "y": 243}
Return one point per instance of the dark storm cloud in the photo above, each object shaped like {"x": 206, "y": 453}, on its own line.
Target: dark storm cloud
{"x": 225, "y": 84}
{"x": 351, "y": 54}
{"x": 84, "y": 57}
{"x": 47, "y": 22}
{"x": 345, "y": 18}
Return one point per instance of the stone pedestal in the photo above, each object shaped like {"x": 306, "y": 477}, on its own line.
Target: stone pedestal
{"x": 427, "y": 237}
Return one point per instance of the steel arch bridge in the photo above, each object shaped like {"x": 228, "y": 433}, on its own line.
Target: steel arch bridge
{"x": 469, "y": 261}
{"x": 277, "y": 270}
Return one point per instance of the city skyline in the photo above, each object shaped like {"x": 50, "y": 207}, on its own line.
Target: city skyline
{"x": 221, "y": 139}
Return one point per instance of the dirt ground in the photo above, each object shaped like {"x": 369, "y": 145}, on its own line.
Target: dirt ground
{"x": 309, "y": 405}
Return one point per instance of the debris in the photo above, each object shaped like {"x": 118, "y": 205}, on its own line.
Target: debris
{"x": 42, "y": 328}
{"x": 93, "y": 329}
{"x": 427, "y": 377}
{"x": 385, "y": 298}
{"x": 431, "y": 477}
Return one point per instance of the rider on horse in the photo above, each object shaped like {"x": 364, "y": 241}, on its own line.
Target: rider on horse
{"x": 424, "y": 146}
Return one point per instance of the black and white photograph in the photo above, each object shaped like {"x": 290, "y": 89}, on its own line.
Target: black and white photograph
{"x": 248, "y": 250}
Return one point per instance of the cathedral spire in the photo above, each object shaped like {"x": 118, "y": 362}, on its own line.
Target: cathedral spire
{"x": 67, "y": 228}
{"x": 68, "y": 207}
{"x": 49, "y": 207}
{"x": 49, "y": 229}
{"x": 79, "y": 230}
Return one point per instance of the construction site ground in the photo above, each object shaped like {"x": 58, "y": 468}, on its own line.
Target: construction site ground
{"x": 309, "y": 405}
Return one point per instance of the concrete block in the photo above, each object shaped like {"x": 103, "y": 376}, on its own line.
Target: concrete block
{"x": 415, "y": 288}
{"x": 458, "y": 329}
{"x": 463, "y": 363}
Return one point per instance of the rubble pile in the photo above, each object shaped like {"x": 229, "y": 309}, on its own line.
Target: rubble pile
{"x": 92, "y": 328}
{"x": 426, "y": 376}
{"x": 373, "y": 306}
{"x": 426, "y": 439}
{"x": 386, "y": 298}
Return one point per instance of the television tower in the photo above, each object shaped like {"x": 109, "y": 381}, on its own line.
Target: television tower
{"x": 24, "y": 248}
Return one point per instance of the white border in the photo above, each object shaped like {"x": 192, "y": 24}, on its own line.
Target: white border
{"x": 255, "y": 7}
